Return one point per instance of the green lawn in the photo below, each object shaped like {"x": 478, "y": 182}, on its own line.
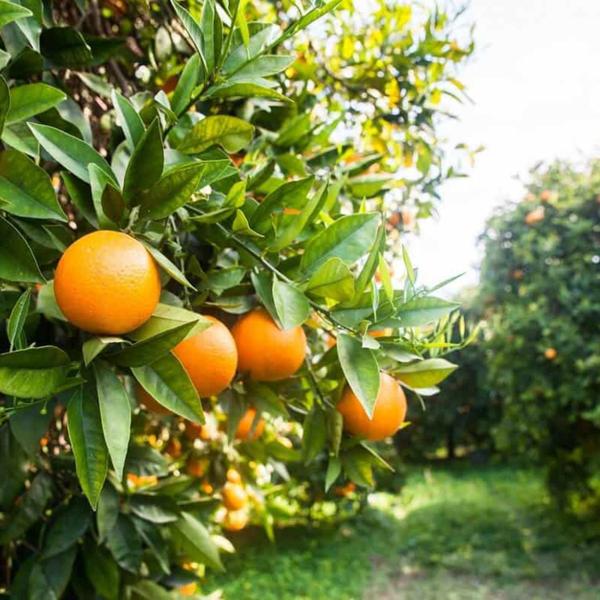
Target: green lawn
{"x": 452, "y": 534}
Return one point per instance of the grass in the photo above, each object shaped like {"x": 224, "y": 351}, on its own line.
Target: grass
{"x": 452, "y": 534}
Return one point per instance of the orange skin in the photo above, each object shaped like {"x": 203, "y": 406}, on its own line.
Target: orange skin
{"x": 235, "y": 520}
{"x": 210, "y": 358}
{"x": 196, "y": 467}
{"x": 170, "y": 84}
{"x": 233, "y": 476}
{"x": 266, "y": 352}
{"x": 107, "y": 283}
{"x": 535, "y": 216}
{"x": 141, "y": 480}
{"x": 245, "y": 426}
{"x": 206, "y": 487}
{"x": 174, "y": 448}
{"x": 389, "y": 414}
{"x": 189, "y": 589}
{"x": 143, "y": 397}
{"x": 234, "y": 496}
{"x": 546, "y": 195}
{"x": 550, "y": 353}
{"x": 346, "y": 490}
{"x": 518, "y": 274}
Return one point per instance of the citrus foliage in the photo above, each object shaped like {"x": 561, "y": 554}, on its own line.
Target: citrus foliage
{"x": 540, "y": 287}
{"x": 229, "y": 181}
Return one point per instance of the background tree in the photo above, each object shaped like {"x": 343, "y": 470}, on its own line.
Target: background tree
{"x": 540, "y": 279}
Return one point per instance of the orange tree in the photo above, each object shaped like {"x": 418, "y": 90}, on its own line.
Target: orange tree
{"x": 540, "y": 282}
{"x": 180, "y": 246}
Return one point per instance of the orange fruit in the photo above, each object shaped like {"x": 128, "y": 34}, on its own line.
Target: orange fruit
{"x": 388, "y": 416}
{"x": 234, "y": 496}
{"x": 207, "y": 487}
{"x": 174, "y": 448}
{"x": 209, "y": 357}
{"x": 246, "y": 424}
{"x": 107, "y": 283}
{"x": 235, "y": 520}
{"x": 189, "y": 589}
{"x": 345, "y": 490}
{"x": 234, "y": 476}
{"x": 550, "y": 353}
{"x": 266, "y": 352}
{"x": 535, "y": 216}
{"x": 546, "y": 195}
{"x": 196, "y": 467}
{"x": 143, "y": 397}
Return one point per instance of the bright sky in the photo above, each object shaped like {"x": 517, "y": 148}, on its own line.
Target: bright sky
{"x": 535, "y": 81}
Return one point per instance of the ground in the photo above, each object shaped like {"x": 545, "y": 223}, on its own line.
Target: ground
{"x": 453, "y": 533}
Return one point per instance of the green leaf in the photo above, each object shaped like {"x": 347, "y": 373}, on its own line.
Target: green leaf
{"x": 360, "y": 369}
{"x": 426, "y": 373}
{"x": 125, "y": 544}
{"x": 99, "y": 183}
{"x": 65, "y": 47}
{"x": 263, "y": 66}
{"x": 420, "y": 311}
{"x": 194, "y": 539}
{"x": 348, "y": 238}
{"x": 71, "y": 152}
{"x": 386, "y": 279}
{"x": 358, "y": 464}
{"x": 34, "y": 372}
{"x": 80, "y": 195}
{"x": 109, "y": 506}
{"x": 167, "y": 317}
{"x": 31, "y": 99}
{"x": 128, "y": 119}
{"x": 87, "y": 440}
{"x": 28, "y": 425}
{"x": 242, "y": 226}
{"x": 190, "y": 77}
{"x": 315, "y": 434}
{"x": 17, "y": 262}
{"x": 4, "y": 102}
{"x": 26, "y": 189}
{"x": 30, "y": 508}
{"x": 250, "y": 49}
{"x": 291, "y": 304}
{"x": 410, "y": 272}
{"x": 146, "y": 589}
{"x": 115, "y": 413}
{"x": 49, "y": 577}
{"x": 247, "y": 89}
{"x": 333, "y": 280}
{"x": 193, "y": 29}
{"x": 334, "y": 468}
{"x": 292, "y": 194}
{"x": 93, "y": 346}
{"x": 10, "y": 12}
{"x": 168, "y": 266}
{"x": 368, "y": 271}
{"x": 145, "y": 165}
{"x": 173, "y": 190}
{"x": 231, "y": 133}
{"x": 68, "y": 526}
{"x": 169, "y": 384}
{"x": 151, "y": 349}
{"x": 101, "y": 570}
{"x": 211, "y": 35}
{"x": 310, "y": 17}
{"x": 153, "y": 508}
{"x": 17, "y": 318}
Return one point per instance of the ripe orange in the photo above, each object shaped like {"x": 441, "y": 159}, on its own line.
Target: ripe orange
{"x": 535, "y": 216}
{"x": 189, "y": 589}
{"x": 210, "y": 358}
{"x": 233, "y": 476}
{"x": 265, "y": 351}
{"x": 196, "y": 467}
{"x": 174, "y": 448}
{"x": 245, "y": 425}
{"x": 546, "y": 195}
{"x": 550, "y": 353}
{"x": 107, "y": 283}
{"x": 390, "y": 410}
{"x": 143, "y": 397}
{"x": 234, "y": 496}
{"x": 235, "y": 520}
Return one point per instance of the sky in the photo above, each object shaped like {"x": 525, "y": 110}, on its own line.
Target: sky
{"x": 535, "y": 83}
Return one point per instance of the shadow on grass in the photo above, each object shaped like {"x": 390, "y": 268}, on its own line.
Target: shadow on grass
{"x": 494, "y": 525}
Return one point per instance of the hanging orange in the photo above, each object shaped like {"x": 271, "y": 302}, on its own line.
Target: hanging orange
{"x": 265, "y": 351}
{"x": 388, "y": 416}
{"x": 107, "y": 283}
{"x": 210, "y": 358}
{"x": 245, "y": 426}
